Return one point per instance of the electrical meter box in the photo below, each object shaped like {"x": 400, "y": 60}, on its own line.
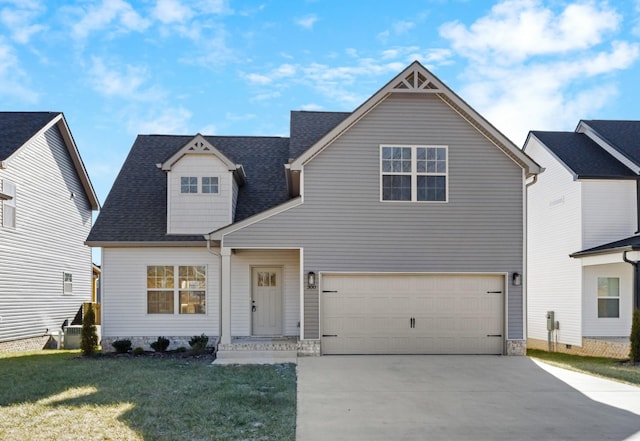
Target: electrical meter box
{"x": 550, "y": 321}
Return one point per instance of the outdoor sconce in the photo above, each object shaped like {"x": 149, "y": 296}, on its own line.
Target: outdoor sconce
{"x": 311, "y": 280}
{"x": 516, "y": 279}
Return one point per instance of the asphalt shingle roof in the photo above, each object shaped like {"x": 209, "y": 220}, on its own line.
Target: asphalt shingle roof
{"x": 136, "y": 207}
{"x": 623, "y": 135}
{"x": 582, "y": 155}
{"x": 308, "y": 127}
{"x": 16, "y": 128}
{"x": 629, "y": 243}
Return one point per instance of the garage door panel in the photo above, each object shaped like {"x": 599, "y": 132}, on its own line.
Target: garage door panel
{"x": 452, "y": 314}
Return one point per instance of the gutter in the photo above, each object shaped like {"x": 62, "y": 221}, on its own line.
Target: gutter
{"x": 636, "y": 280}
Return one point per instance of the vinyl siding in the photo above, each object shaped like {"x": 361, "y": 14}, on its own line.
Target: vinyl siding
{"x": 241, "y": 264}
{"x": 554, "y": 231}
{"x": 124, "y": 293}
{"x": 343, "y": 226}
{"x": 608, "y": 211}
{"x": 607, "y": 327}
{"x": 196, "y": 213}
{"x": 48, "y": 240}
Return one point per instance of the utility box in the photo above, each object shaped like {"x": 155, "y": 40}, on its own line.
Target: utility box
{"x": 551, "y": 322}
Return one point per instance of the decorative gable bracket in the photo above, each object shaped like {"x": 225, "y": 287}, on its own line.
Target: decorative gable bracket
{"x": 198, "y": 145}
{"x": 415, "y": 81}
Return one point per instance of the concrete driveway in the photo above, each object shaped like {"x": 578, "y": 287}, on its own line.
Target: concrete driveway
{"x": 458, "y": 398}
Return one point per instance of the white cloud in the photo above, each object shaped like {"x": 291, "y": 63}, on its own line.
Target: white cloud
{"x": 20, "y": 21}
{"x": 171, "y": 120}
{"x": 402, "y": 27}
{"x": 107, "y": 13}
{"x": 258, "y": 79}
{"x": 12, "y": 77}
{"x": 170, "y": 11}
{"x": 126, "y": 82}
{"x": 311, "y": 107}
{"x": 307, "y": 21}
{"x": 533, "y": 68}
{"x": 517, "y": 29}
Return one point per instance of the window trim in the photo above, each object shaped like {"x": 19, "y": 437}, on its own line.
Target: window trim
{"x": 608, "y": 297}
{"x": 9, "y": 201}
{"x": 176, "y": 290}
{"x": 414, "y": 172}
{"x": 190, "y": 185}
{"x": 65, "y": 283}
{"x": 217, "y": 185}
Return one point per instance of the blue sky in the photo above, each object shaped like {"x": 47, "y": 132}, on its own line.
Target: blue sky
{"x": 117, "y": 68}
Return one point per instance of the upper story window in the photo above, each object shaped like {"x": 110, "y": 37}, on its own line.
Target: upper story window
{"x": 8, "y": 204}
{"x": 608, "y": 297}
{"x": 188, "y": 184}
{"x": 210, "y": 184}
{"x": 413, "y": 173}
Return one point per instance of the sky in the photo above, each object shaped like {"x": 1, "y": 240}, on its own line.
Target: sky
{"x": 119, "y": 68}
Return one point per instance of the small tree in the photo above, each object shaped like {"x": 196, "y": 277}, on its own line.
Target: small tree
{"x": 634, "y": 354}
{"x": 89, "y": 336}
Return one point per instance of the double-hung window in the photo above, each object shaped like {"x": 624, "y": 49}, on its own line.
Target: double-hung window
{"x": 67, "y": 283}
{"x": 8, "y": 204}
{"x": 413, "y": 173}
{"x": 189, "y": 291}
{"x": 210, "y": 184}
{"x": 608, "y": 297}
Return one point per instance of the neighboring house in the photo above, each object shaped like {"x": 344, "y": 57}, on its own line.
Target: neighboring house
{"x": 397, "y": 228}
{"x": 583, "y": 244}
{"x": 46, "y": 209}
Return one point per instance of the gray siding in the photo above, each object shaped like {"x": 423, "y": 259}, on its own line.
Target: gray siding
{"x": 343, "y": 226}
{"x": 48, "y": 240}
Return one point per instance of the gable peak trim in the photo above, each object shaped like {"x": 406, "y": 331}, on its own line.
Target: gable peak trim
{"x": 198, "y": 145}
{"x": 416, "y": 81}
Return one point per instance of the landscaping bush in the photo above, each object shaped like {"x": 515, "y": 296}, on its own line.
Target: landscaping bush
{"x": 198, "y": 343}
{"x": 161, "y": 344}
{"x": 138, "y": 351}
{"x": 122, "y": 346}
{"x": 89, "y": 336}
{"x": 635, "y": 337}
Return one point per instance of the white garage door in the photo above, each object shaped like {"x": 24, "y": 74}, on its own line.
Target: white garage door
{"x": 412, "y": 314}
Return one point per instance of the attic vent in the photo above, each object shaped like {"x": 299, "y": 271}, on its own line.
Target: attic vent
{"x": 416, "y": 81}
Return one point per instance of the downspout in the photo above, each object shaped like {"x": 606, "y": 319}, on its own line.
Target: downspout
{"x": 636, "y": 279}
{"x": 525, "y": 262}
{"x": 219, "y": 284}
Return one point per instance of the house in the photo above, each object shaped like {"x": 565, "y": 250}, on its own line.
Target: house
{"x": 395, "y": 228}
{"x": 46, "y": 208}
{"x": 583, "y": 238}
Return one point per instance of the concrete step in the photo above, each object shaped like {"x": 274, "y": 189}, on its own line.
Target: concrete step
{"x": 255, "y": 357}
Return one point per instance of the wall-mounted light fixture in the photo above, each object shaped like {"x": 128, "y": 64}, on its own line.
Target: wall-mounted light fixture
{"x": 516, "y": 279}
{"x": 311, "y": 280}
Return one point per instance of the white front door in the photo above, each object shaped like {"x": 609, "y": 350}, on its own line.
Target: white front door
{"x": 266, "y": 301}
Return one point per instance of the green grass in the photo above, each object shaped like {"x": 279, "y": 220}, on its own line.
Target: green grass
{"x": 605, "y": 367}
{"x": 58, "y": 395}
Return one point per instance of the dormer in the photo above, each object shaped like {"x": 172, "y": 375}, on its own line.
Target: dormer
{"x": 202, "y": 188}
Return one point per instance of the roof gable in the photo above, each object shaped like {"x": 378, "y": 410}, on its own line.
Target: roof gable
{"x": 197, "y": 145}
{"x": 18, "y": 128}
{"x": 620, "y": 138}
{"x": 417, "y": 79}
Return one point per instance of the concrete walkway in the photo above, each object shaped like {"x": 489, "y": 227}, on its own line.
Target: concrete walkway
{"x": 458, "y": 398}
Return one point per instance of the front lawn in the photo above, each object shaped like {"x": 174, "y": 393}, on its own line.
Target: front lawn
{"x": 59, "y": 395}
{"x": 604, "y": 367}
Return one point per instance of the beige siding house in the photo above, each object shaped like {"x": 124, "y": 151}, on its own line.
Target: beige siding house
{"x": 46, "y": 203}
{"x": 397, "y": 228}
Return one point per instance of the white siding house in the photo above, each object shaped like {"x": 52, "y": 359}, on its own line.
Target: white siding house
{"x": 582, "y": 225}
{"x": 414, "y": 189}
{"x": 47, "y": 203}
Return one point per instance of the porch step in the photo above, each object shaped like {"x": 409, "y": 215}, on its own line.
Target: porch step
{"x": 255, "y": 357}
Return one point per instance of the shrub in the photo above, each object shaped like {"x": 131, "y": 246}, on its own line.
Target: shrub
{"x": 161, "y": 344}
{"x": 122, "y": 346}
{"x": 181, "y": 349}
{"x": 89, "y": 336}
{"x": 634, "y": 354}
{"x": 138, "y": 351}
{"x": 198, "y": 343}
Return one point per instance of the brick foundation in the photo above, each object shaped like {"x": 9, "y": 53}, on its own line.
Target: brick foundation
{"x": 591, "y": 347}
{"x": 516, "y": 347}
{"x": 308, "y": 348}
{"x": 24, "y": 344}
{"x": 145, "y": 342}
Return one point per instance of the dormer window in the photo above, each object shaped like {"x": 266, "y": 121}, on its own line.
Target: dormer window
{"x": 210, "y": 184}
{"x": 188, "y": 184}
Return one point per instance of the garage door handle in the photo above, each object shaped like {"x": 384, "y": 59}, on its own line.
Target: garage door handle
{"x": 326, "y": 290}
{"x": 329, "y": 335}
{"x": 494, "y": 335}
{"x": 494, "y": 292}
